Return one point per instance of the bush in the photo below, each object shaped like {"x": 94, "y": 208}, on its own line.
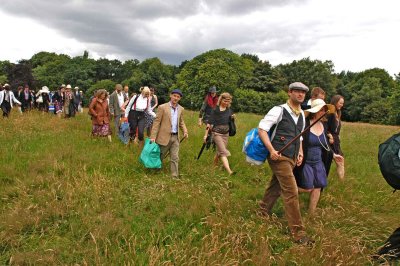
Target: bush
{"x": 251, "y": 101}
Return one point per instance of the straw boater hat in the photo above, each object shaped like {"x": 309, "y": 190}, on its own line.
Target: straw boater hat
{"x": 68, "y": 86}
{"x": 317, "y": 104}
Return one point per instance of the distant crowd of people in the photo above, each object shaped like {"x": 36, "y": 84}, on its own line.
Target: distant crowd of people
{"x": 64, "y": 100}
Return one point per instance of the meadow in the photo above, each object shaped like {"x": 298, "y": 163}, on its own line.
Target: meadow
{"x": 66, "y": 198}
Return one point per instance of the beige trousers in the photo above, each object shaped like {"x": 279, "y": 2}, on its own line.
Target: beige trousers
{"x": 173, "y": 148}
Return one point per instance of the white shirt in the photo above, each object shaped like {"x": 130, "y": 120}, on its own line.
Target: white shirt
{"x": 11, "y": 98}
{"x": 141, "y": 104}
{"x": 272, "y": 117}
{"x": 120, "y": 99}
{"x": 174, "y": 118}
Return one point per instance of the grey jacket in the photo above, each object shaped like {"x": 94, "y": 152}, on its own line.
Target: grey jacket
{"x": 114, "y": 105}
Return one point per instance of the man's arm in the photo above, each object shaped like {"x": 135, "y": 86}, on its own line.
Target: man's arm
{"x": 156, "y": 124}
{"x": 111, "y": 105}
{"x": 265, "y": 125}
{"x": 182, "y": 125}
{"x": 267, "y": 142}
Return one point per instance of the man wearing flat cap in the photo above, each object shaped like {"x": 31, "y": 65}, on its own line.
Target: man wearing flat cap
{"x": 285, "y": 121}
{"x": 166, "y": 127}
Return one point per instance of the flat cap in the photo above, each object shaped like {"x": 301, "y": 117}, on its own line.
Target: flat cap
{"x": 177, "y": 91}
{"x": 298, "y": 86}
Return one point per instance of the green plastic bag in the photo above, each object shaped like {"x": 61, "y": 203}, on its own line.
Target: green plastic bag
{"x": 150, "y": 156}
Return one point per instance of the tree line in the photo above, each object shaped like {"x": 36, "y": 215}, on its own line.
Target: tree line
{"x": 371, "y": 96}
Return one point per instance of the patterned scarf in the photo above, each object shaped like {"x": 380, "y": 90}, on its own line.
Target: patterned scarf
{"x": 296, "y": 111}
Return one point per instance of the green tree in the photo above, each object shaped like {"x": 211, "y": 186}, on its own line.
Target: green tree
{"x": 43, "y": 58}
{"x": 50, "y": 72}
{"x": 126, "y": 70}
{"x": 21, "y": 74}
{"x": 5, "y": 67}
{"x": 152, "y": 72}
{"x": 106, "y": 84}
{"x": 313, "y": 73}
{"x": 385, "y": 80}
{"x": 264, "y": 78}
{"x": 365, "y": 92}
{"x": 80, "y": 72}
{"x": 221, "y": 68}
{"x": 107, "y": 69}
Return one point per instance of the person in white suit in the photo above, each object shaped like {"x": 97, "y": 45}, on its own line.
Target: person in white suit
{"x": 7, "y": 99}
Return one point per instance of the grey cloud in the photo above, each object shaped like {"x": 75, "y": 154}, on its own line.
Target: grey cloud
{"x": 237, "y": 7}
{"x": 122, "y": 27}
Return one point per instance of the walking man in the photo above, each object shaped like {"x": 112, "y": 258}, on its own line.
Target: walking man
{"x": 26, "y": 99}
{"x": 289, "y": 121}
{"x": 165, "y": 130}
{"x": 7, "y": 99}
{"x": 116, "y": 102}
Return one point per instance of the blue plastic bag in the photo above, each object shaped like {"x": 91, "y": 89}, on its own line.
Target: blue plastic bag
{"x": 150, "y": 156}
{"x": 254, "y": 148}
{"x": 123, "y": 133}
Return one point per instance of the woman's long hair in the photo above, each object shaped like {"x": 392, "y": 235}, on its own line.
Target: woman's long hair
{"x": 334, "y": 100}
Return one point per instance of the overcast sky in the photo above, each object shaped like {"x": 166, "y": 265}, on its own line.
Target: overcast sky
{"x": 354, "y": 34}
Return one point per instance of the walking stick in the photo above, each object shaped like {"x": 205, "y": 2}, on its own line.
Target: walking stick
{"x": 301, "y": 134}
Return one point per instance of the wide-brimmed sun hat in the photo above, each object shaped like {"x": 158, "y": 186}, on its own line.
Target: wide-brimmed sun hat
{"x": 317, "y": 105}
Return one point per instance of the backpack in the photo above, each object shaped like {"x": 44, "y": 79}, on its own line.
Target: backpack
{"x": 254, "y": 148}
{"x": 391, "y": 248}
{"x": 389, "y": 160}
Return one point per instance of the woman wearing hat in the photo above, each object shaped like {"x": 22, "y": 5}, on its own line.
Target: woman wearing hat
{"x": 311, "y": 175}
{"x": 69, "y": 106}
{"x": 100, "y": 113}
{"x": 43, "y": 99}
{"x": 209, "y": 103}
{"x": 218, "y": 123}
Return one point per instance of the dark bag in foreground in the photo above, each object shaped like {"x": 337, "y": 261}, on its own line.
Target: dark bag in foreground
{"x": 389, "y": 160}
{"x": 391, "y": 249}
{"x": 150, "y": 156}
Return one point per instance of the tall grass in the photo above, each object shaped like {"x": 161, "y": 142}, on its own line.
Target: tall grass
{"x": 66, "y": 198}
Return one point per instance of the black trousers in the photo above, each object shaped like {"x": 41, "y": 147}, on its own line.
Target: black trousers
{"x": 137, "y": 121}
{"x": 6, "y": 108}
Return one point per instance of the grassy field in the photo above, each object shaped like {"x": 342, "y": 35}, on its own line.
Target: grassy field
{"x": 66, "y": 198}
